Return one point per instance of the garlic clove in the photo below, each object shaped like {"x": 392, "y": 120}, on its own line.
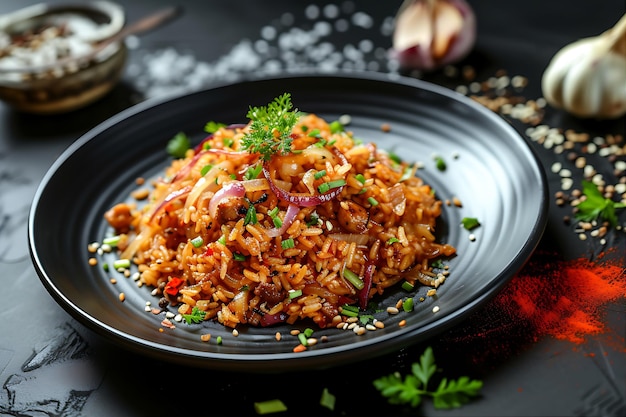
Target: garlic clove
{"x": 431, "y": 33}
{"x": 587, "y": 78}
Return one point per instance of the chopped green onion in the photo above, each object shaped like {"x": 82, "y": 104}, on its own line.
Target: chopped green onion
{"x": 250, "y": 216}
{"x": 302, "y": 338}
{"x": 360, "y": 178}
{"x": 407, "y": 305}
{"x": 470, "y": 222}
{"x": 288, "y": 243}
{"x": 350, "y": 308}
{"x": 353, "y": 279}
{"x": 308, "y": 332}
{"x": 222, "y": 240}
{"x": 253, "y": 172}
{"x": 327, "y": 400}
{"x": 337, "y": 183}
{"x": 212, "y": 127}
{"x": 324, "y": 187}
{"x": 372, "y": 201}
{"x": 395, "y": 158}
{"x": 111, "y": 241}
{"x": 239, "y": 257}
{"x": 407, "y": 286}
{"x": 336, "y": 127}
{"x": 294, "y": 294}
{"x": 319, "y": 174}
{"x": 121, "y": 263}
{"x": 219, "y": 340}
{"x": 277, "y": 222}
{"x": 197, "y": 241}
{"x": 273, "y": 212}
{"x": 228, "y": 142}
{"x": 205, "y": 169}
{"x": 363, "y": 191}
{"x": 314, "y": 133}
{"x": 392, "y": 240}
{"x": 105, "y": 266}
{"x": 407, "y": 173}
{"x": 440, "y": 163}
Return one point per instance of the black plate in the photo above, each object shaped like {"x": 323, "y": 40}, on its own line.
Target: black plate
{"x": 490, "y": 168}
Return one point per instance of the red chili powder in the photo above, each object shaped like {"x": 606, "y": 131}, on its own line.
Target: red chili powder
{"x": 566, "y": 300}
{"x": 549, "y": 297}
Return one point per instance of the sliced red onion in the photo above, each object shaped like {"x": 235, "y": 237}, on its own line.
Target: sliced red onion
{"x": 174, "y": 195}
{"x": 228, "y": 190}
{"x": 271, "y": 319}
{"x": 301, "y": 200}
{"x": 290, "y": 215}
{"x": 364, "y": 292}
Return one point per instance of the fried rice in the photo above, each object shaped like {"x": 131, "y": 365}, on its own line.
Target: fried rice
{"x": 252, "y": 241}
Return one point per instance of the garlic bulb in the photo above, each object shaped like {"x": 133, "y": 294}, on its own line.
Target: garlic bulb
{"x": 429, "y": 34}
{"x": 587, "y": 78}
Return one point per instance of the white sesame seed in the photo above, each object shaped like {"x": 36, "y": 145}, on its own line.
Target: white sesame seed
{"x": 435, "y": 309}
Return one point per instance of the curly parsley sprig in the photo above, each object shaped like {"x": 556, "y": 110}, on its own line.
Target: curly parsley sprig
{"x": 270, "y": 128}
{"x": 414, "y": 386}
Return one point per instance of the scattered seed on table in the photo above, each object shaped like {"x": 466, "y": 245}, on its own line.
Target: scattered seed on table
{"x": 435, "y": 309}
{"x": 278, "y": 336}
{"x": 392, "y": 310}
{"x": 122, "y": 296}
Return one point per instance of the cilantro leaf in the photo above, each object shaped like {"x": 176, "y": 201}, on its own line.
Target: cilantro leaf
{"x": 270, "y": 128}
{"x": 595, "y": 206}
{"x": 414, "y": 386}
{"x": 196, "y": 316}
{"x": 178, "y": 145}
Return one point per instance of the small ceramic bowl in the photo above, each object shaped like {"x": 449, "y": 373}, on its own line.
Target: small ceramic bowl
{"x": 47, "y": 64}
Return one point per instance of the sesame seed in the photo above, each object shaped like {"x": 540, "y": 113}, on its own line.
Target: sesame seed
{"x": 392, "y": 310}
{"x": 435, "y": 309}
{"x": 122, "y": 296}
{"x": 205, "y": 337}
{"x": 235, "y": 332}
{"x": 278, "y": 336}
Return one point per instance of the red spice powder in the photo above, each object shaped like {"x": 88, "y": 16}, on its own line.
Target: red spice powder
{"x": 549, "y": 297}
{"x": 566, "y": 300}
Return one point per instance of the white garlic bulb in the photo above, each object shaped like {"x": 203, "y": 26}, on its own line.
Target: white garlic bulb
{"x": 587, "y": 78}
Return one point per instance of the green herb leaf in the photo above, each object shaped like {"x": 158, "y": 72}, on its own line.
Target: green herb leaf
{"x": 178, "y": 145}
{"x": 212, "y": 127}
{"x": 414, "y": 386}
{"x": 596, "y": 206}
{"x": 196, "y": 316}
{"x": 270, "y": 128}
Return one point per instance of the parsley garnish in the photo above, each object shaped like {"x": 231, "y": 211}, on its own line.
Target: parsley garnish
{"x": 596, "y": 206}
{"x": 178, "y": 145}
{"x": 414, "y": 386}
{"x": 270, "y": 128}
{"x": 196, "y": 316}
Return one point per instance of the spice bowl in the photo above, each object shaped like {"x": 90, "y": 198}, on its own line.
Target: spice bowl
{"x": 50, "y": 58}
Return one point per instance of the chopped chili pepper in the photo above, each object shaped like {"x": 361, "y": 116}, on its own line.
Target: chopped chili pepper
{"x": 172, "y": 287}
